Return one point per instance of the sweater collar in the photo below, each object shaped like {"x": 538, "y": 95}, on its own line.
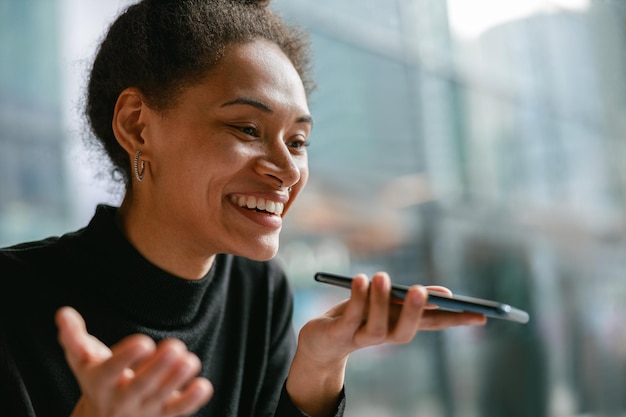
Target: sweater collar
{"x": 140, "y": 288}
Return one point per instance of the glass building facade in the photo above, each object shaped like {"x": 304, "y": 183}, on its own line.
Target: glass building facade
{"x": 33, "y": 192}
{"x": 477, "y": 144}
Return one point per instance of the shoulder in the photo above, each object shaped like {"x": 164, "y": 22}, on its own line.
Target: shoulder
{"x": 25, "y": 273}
{"x": 54, "y": 252}
{"x": 42, "y": 254}
{"x": 25, "y": 255}
{"x": 34, "y": 270}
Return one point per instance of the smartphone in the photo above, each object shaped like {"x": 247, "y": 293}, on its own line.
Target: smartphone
{"x": 456, "y": 303}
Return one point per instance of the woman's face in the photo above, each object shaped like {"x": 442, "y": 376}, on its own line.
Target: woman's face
{"x": 218, "y": 159}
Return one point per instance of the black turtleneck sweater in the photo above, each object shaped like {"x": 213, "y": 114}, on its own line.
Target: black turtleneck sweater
{"x": 237, "y": 319}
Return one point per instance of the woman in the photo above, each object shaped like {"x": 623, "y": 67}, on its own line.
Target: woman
{"x": 170, "y": 304}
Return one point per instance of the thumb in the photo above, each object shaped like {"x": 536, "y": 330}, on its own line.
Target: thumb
{"x": 80, "y": 347}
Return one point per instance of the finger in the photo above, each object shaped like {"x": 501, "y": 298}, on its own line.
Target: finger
{"x": 377, "y": 323}
{"x": 441, "y": 319}
{"x": 85, "y": 352}
{"x": 79, "y": 346}
{"x": 337, "y": 310}
{"x": 356, "y": 307}
{"x": 184, "y": 371}
{"x": 126, "y": 354}
{"x": 410, "y": 316}
{"x": 195, "y": 395}
{"x": 149, "y": 373}
{"x": 439, "y": 290}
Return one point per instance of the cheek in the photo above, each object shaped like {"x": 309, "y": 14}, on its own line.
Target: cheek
{"x": 213, "y": 156}
{"x": 211, "y": 168}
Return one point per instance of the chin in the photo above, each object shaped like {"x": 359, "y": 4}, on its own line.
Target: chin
{"x": 260, "y": 258}
{"x": 262, "y": 252}
{"x": 264, "y": 255}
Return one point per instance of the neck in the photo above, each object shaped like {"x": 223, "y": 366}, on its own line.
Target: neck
{"x": 159, "y": 245}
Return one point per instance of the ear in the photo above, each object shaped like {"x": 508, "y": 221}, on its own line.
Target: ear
{"x": 128, "y": 120}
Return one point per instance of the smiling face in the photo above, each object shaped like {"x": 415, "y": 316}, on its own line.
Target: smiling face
{"x": 215, "y": 162}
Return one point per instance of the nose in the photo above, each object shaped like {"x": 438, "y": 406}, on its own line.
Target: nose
{"x": 279, "y": 165}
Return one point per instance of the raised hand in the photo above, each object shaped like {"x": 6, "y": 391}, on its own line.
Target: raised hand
{"x": 133, "y": 378}
{"x": 369, "y": 317}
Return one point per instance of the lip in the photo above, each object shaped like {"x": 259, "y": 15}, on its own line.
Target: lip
{"x": 264, "y": 219}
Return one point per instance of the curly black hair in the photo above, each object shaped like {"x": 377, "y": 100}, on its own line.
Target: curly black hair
{"x": 162, "y": 46}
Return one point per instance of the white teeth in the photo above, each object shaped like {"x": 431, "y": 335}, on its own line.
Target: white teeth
{"x": 259, "y": 204}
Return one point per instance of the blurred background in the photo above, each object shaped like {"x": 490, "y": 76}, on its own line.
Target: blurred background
{"x": 477, "y": 144}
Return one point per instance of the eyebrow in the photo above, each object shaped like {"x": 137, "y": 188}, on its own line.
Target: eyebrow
{"x": 263, "y": 107}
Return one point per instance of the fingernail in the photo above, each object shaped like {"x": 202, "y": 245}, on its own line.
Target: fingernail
{"x": 382, "y": 284}
{"x": 418, "y": 297}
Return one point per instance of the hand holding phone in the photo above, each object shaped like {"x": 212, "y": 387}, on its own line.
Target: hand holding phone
{"x": 455, "y": 303}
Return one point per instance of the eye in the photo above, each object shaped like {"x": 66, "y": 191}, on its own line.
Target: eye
{"x": 249, "y": 130}
{"x": 298, "y": 143}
